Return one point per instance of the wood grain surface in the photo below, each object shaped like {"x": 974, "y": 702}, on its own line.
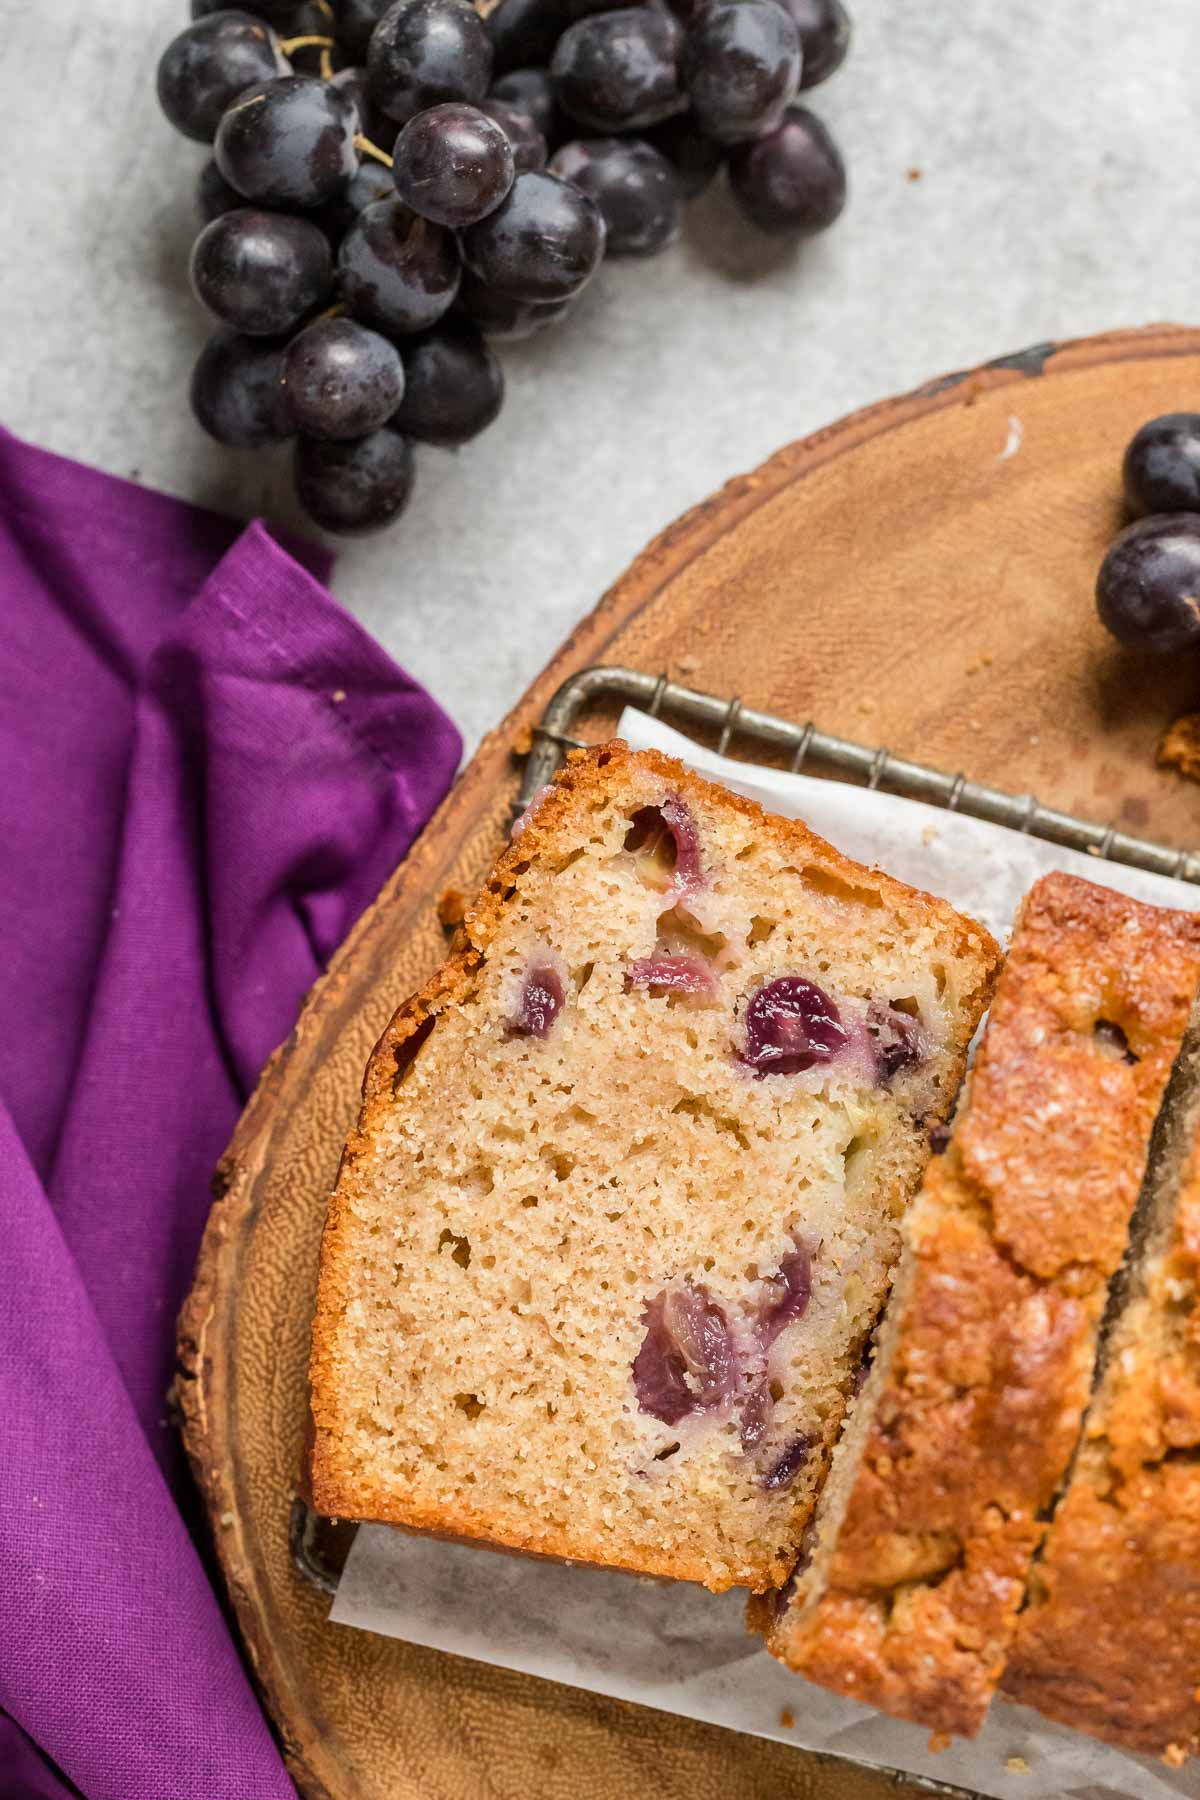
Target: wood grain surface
{"x": 918, "y": 575}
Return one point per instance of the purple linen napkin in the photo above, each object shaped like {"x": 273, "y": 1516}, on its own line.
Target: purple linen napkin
{"x": 208, "y": 771}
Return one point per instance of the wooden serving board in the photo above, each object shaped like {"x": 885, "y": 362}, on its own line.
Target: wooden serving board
{"x": 919, "y": 575}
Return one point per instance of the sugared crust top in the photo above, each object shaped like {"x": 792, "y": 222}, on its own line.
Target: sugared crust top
{"x": 1014, "y": 1237}
{"x": 1051, "y": 1126}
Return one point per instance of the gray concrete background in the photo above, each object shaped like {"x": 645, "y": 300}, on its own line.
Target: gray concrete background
{"x": 1058, "y": 195}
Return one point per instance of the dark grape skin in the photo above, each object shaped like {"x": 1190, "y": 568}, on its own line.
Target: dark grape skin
{"x": 341, "y": 380}
{"x": 274, "y": 11}
{"x": 453, "y": 164}
{"x": 397, "y": 272}
{"x": 214, "y": 195}
{"x": 236, "y": 393}
{"x": 792, "y": 182}
{"x": 523, "y": 33}
{"x": 1162, "y": 465}
{"x": 289, "y": 142}
{"x": 525, "y": 140}
{"x": 454, "y": 387}
{"x": 209, "y": 64}
{"x": 355, "y": 20}
{"x": 634, "y": 187}
{"x": 423, "y": 52}
{"x": 376, "y": 126}
{"x": 741, "y": 64}
{"x": 261, "y": 271}
{"x": 824, "y": 27}
{"x": 531, "y": 92}
{"x": 371, "y": 182}
{"x": 543, "y": 243}
{"x": 498, "y": 316}
{"x": 354, "y": 487}
{"x": 618, "y": 70}
{"x": 1148, "y": 589}
{"x": 694, "y": 157}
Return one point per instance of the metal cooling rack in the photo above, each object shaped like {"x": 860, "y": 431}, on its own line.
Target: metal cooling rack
{"x": 319, "y": 1546}
{"x": 805, "y": 746}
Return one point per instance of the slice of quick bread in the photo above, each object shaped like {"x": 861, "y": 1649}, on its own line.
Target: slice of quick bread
{"x": 1109, "y": 1640}
{"x": 917, "y": 1558}
{"x": 622, "y": 1205}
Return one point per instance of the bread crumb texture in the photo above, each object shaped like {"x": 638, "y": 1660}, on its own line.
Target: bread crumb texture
{"x": 917, "y": 1561}
{"x": 620, "y": 1213}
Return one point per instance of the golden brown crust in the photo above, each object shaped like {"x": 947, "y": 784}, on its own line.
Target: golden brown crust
{"x": 1110, "y": 1639}
{"x": 1179, "y": 746}
{"x": 586, "y": 778}
{"x": 1014, "y": 1238}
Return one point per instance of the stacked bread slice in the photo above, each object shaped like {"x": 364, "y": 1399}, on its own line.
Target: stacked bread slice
{"x": 1109, "y": 1638}
{"x": 920, "y": 1554}
{"x": 622, "y": 1207}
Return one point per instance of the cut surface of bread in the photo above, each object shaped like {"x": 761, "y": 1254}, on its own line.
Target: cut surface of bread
{"x": 623, "y": 1201}
{"x": 1109, "y": 1640}
{"x": 919, "y": 1553}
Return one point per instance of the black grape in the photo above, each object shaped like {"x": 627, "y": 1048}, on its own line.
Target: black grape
{"x": 289, "y": 142}
{"x": 741, "y": 66}
{"x": 341, "y": 380}
{"x": 236, "y": 391}
{"x": 454, "y": 387}
{"x": 453, "y": 164}
{"x": 499, "y": 316}
{"x": 531, "y": 91}
{"x": 1162, "y": 465}
{"x": 525, "y": 32}
{"x": 525, "y": 140}
{"x": 371, "y": 182}
{"x": 824, "y": 27}
{"x": 375, "y": 125}
{"x": 356, "y": 486}
{"x": 694, "y": 157}
{"x": 209, "y": 64}
{"x": 543, "y": 243}
{"x": 634, "y": 187}
{"x": 618, "y": 71}
{"x": 355, "y": 21}
{"x": 1148, "y": 583}
{"x": 397, "y": 272}
{"x": 214, "y": 195}
{"x": 423, "y": 52}
{"x": 792, "y": 182}
{"x": 259, "y": 271}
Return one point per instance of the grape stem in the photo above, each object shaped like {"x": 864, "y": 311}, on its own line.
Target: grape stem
{"x": 326, "y": 64}
{"x": 287, "y": 45}
{"x": 323, "y": 6}
{"x": 366, "y": 148}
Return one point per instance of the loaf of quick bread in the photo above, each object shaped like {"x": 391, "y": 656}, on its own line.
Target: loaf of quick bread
{"x": 915, "y": 1566}
{"x": 622, "y": 1205}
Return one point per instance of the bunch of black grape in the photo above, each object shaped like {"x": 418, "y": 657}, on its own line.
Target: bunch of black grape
{"x": 392, "y": 184}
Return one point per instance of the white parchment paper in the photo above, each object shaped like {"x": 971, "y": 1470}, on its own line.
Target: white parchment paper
{"x": 674, "y": 1646}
